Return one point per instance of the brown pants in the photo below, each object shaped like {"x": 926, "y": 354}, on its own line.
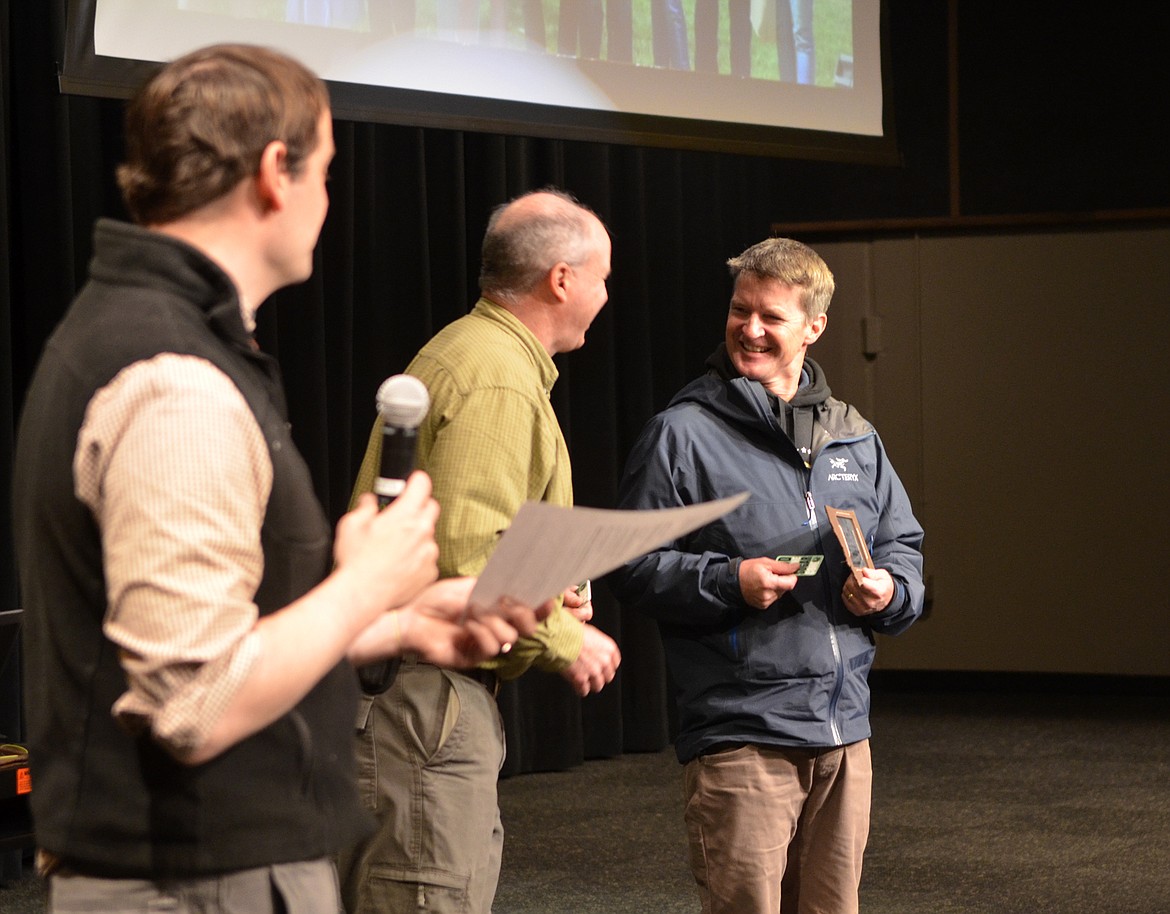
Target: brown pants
{"x": 778, "y": 830}
{"x": 309, "y": 887}
{"x": 429, "y": 753}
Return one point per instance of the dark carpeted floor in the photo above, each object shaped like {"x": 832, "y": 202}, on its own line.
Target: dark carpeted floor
{"x": 984, "y": 803}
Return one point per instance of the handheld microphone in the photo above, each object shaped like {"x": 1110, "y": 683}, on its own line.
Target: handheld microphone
{"x": 402, "y": 402}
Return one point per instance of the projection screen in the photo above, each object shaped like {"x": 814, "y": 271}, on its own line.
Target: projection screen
{"x": 773, "y": 77}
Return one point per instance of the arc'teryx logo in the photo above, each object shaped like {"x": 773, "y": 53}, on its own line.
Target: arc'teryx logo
{"x": 841, "y": 464}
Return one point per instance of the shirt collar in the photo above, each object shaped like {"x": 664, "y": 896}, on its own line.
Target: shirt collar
{"x": 539, "y": 355}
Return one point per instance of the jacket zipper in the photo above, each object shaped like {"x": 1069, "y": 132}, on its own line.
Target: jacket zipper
{"x": 811, "y": 507}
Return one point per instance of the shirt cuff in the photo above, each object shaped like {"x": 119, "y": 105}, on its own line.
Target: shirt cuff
{"x": 192, "y": 706}
{"x": 553, "y": 647}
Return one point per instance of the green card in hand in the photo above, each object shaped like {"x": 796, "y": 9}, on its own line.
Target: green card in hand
{"x": 809, "y": 564}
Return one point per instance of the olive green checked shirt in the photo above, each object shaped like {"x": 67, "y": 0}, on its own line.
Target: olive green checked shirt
{"x": 490, "y": 442}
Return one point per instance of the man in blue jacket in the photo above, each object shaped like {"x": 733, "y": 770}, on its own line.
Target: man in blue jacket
{"x": 770, "y": 667}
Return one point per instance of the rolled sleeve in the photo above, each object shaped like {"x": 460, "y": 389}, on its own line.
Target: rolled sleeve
{"x": 554, "y": 645}
{"x": 176, "y": 471}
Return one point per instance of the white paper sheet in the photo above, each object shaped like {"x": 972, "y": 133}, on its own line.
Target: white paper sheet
{"x": 549, "y": 548}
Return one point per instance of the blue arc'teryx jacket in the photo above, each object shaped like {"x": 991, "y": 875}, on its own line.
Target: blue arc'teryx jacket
{"x": 796, "y": 673}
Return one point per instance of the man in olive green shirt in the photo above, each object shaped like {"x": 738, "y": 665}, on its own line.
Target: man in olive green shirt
{"x": 431, "y": 747}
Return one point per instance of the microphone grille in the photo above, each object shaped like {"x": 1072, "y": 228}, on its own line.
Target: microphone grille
{"x": 403, "y": 401}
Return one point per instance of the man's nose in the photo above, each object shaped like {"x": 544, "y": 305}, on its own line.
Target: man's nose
{"x": 752, "y": 326}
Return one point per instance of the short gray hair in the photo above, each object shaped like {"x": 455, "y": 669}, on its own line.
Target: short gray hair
{"x": 524, "y": 240}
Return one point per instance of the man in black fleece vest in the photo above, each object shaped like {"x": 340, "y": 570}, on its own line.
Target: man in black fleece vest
{"x": 189, "y": 650}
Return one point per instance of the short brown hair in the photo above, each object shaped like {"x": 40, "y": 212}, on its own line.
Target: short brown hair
{"x": 793, "y": 264}
{"x": 200, "y": 125}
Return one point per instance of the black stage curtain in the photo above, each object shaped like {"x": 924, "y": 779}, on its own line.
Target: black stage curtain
{"x": 10, "y": 712}
{"x": 398, "y": 259}
{"x": 399, "y": 255}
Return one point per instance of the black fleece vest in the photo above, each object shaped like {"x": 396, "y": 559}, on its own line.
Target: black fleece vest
{"x": 107, "y": 802}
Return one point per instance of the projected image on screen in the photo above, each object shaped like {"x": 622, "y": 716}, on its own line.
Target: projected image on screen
{"x": 730, "y": 75}
{"x": 758, "y": 39}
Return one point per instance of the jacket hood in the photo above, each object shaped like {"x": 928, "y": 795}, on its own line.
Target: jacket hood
{"x": 725, "y": 391}
{"x": 814, "y": 387}
{"x": 740, "y": 401}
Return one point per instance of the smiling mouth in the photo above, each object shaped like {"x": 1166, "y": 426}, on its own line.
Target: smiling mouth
{"x": 748, "y": 347}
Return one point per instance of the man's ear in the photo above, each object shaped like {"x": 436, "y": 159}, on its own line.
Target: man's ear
{"x": 559, "y": 279}
{"x": 815, "y": 328}
{"x": 272, "y": 176}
